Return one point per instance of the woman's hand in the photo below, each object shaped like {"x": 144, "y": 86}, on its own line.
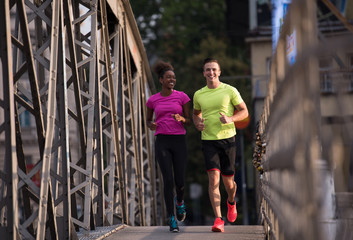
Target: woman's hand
{"x": 153, "y": 126}
{"x": 178, "y": 118}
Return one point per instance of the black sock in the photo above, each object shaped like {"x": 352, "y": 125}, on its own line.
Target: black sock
{"x": 231, "y": 203}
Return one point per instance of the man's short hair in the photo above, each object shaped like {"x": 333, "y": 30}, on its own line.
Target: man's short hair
{"x": 208, "y": 60}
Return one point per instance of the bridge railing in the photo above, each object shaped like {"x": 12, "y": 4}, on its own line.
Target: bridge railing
{"x": 295, "y": 151}
{"x": 76, "y": 74}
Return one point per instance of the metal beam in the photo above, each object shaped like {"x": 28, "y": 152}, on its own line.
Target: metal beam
{"x": 84, "y": 82}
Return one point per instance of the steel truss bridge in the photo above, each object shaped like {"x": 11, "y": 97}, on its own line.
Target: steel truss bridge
{"x": 79, "y": 72}
{"x": 74, "y": 82}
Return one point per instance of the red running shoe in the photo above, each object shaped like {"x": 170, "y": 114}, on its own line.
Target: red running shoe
{"x": 218, "y": 225}
{"x": 232, "y": 212}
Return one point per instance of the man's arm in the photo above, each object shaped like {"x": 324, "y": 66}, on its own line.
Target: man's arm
{"x": 239, "y": 115}
{"x": 198, "y": 120}
{"x": 242, "y": 112}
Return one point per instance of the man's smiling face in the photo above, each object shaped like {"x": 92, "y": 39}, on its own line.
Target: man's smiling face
{"x": 211, "y": 71}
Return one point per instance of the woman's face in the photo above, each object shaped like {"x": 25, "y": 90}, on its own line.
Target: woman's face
{"x": 168, "y": 80}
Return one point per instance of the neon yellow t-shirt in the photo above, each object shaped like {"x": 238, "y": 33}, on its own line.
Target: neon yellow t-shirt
{"x": 213, "y": 101}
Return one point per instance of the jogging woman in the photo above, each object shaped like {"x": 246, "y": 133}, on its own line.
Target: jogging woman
{"x": 172, "y": 111}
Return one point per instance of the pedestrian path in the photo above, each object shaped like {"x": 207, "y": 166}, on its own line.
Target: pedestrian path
{"x": 231, "y": 232}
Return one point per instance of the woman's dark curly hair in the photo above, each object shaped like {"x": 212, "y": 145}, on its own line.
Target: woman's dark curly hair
{"x": 161, "y": 67}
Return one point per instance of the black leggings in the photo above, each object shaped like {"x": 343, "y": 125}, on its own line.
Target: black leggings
{"x": 171, "y": 153}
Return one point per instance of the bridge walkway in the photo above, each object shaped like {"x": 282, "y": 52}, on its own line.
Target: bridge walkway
{"x": 231, "y": 232}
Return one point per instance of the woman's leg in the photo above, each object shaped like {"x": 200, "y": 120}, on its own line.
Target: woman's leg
{"x": 179, "y": 165}
{"x": 164, "y": 158}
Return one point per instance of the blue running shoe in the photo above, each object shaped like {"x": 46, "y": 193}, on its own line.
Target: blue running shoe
{"x": 180, "y": 211}
{"x": 173, "y": 225}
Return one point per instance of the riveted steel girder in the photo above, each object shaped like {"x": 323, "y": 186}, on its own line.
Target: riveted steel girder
{"x": 75, "y": 80}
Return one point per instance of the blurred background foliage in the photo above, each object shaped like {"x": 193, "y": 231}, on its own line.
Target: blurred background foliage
{"x": 184, "y": 33}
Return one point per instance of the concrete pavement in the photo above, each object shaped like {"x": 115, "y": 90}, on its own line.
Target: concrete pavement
{"x": 231, "y": 232}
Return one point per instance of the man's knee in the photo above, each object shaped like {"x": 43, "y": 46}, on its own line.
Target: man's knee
{"x": 229, "y": 182}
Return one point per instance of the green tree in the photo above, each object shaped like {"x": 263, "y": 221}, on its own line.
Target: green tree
{"x": 173, "y": 29}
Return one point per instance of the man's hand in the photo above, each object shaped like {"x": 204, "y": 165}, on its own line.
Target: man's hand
{"x": 200, "y": 125}
{"x": 198, "y": 120}
{"x": 225, "y": 119}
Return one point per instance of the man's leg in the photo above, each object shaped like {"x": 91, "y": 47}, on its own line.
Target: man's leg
{"x": 230, "y": 186}
{"x": 215, "y": 198}
{"x": 214, "y": 193}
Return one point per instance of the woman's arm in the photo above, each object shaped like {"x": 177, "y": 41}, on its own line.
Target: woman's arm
{"x": 150, "y": 124}
{"x": 185, "y": 119}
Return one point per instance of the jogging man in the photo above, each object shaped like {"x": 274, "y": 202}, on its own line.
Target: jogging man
{"x": 214, "y": 115}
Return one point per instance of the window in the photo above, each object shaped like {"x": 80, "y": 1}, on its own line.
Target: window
{"x": 268, "y": 65}
{"x": 350, "y": 61}
{"x": 349, "y": 77}
{"x": 24, "y": 115}
{"x": 25, "y": 120}
{"x": 326, "y": 82}
{"x": 325, "y": 65}
{"x": 350, "y": 71}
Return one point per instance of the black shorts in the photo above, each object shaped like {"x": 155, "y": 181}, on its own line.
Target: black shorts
{"x": 220, "y": 155}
